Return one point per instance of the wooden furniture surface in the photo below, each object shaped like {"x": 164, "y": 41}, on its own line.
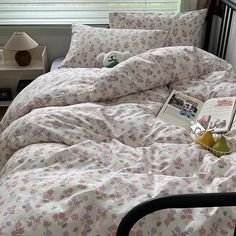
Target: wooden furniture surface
{"x": 11, "y": 72}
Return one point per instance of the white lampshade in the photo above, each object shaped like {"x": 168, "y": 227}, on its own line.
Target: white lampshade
{"x": 20, "y": 41}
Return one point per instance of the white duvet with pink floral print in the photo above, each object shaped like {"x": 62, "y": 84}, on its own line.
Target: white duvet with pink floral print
{"x": 81, "y": 147}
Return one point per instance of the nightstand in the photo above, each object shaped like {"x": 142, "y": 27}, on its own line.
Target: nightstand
{"x": 3, "y": 108}
{"x": 11, "y": 72}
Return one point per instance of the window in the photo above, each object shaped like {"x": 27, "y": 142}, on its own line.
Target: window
{"x": 30, "y": 12}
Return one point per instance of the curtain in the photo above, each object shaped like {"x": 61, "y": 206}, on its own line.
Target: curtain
{"x": 188, "y": 5}
{"x": 205, "y": 3}
{"x": 20, "y": 12}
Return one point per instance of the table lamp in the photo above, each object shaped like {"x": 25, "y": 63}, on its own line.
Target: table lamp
{"x": 21, "y": 42}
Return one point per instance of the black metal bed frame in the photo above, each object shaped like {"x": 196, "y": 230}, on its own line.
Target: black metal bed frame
{"x": 194, "y": 200}
{"x": 225, "y": 11}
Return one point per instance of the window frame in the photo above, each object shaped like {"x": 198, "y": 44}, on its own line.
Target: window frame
{"x": 7, "y": 6}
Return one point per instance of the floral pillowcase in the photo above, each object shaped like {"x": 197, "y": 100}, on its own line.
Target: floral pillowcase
{"x": 87, "y": 42}
{"x": 185, "y": 29}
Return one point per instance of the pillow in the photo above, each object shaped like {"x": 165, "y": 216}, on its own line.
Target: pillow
{"x": 87, "y": 42}
{"x": 185, "y": 29}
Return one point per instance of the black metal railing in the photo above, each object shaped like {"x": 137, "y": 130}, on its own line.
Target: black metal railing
{"x": 225, "y": 11}
{"x": 195, "y": 200}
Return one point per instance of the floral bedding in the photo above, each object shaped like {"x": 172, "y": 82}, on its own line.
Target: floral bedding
{"x": 80, "y": 147}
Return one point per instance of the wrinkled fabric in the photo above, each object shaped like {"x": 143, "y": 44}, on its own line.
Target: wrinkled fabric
{"x": 81, "y": 147}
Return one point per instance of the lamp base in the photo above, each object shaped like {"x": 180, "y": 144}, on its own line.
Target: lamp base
{"x": 23, "y": 58}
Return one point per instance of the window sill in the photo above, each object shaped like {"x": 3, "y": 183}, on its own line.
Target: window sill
{"x": 38, "y": 30}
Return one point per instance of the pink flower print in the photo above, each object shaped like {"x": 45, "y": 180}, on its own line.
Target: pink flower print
{"x": 163, "y": 165}
{"x": 67, "y": 193}
{"x": 65, "y": 233}
{"x": 19, "y": 230}
{"x": 29, "y": 224}
{"x": 55, "y": 217}
{"x": 22, "y": 189}
{"x": 187, "y": 214}
{"x": 46, "y": 223}
{"x": 1, "y": 202}
{"x": 190, "y": 189}
{"x": 178, "y": 163}
{"x": 223, "y": 232}
{"x": 87, "y": 219}
{"x": 91, "y": 47}
{"x": 62, "y": 216}
{"x": 101, "y": 213}
{"x": 89, "y": 208}
{"x": 139, "y": 233}
{"x": 27, "y": 207}
{"x": 178, "y": 232}
{"x": 113, "y": 216}
{"x": 10, "y": 210}
{"x": 126, "y": 45}
{"x": 222, "y": 163}
{"x": 75, "y": 217}
{"x": 76, "y": 229}
{"x": 48, "y": 195}
{"x": 61, "y": 219}
{"x": 202, "y": 231}
{"x": 184, "y": 33}
{"x": 112, "y": 229}
{"x": 84, "y": 156}
{"x": 170, "y": 217}
{"x": 39, "y": 151}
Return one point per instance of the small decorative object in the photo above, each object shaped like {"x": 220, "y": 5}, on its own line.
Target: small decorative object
{"x": 21, "y": 42}
{"x": 112, "y": 58}
{"x": 196, "y": 127}
{"x": 217, "y": 146}
{"x": 5, "y": 94}
{"x": 206, "y": 139}
{"x": 22, "y": 84}
{"x": 220, "y": 146}
{"x": 1, "y": 57}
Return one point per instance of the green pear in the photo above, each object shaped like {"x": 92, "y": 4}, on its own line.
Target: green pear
{"x": 220, "y": 146}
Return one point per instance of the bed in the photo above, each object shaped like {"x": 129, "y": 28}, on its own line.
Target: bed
{"x": 81, "y": 146}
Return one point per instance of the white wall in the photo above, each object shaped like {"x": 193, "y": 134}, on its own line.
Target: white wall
{"x": 57, "y": 46}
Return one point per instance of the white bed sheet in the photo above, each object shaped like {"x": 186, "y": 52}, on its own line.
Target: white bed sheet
{"x": 56, "y": 63}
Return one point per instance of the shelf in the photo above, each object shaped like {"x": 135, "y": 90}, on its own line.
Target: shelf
{"x": 39, "y": 60}
{"x": 5, "y": 103}
{"x": 13, "y": 66}
{"x": 11, "y": 73}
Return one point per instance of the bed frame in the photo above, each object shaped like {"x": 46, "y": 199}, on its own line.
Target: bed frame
{"x": 225, "y": 11}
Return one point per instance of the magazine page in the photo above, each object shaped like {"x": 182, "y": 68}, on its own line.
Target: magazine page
{"x": 180, "y": 109}
{"x": 217, "y": 114}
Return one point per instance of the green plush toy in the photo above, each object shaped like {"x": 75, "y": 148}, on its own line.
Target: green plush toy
{"x": 112, "y": 58}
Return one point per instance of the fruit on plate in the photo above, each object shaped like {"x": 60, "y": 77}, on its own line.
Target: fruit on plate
{"x": 220, "y": 147}
{"x": 206, "y": 139}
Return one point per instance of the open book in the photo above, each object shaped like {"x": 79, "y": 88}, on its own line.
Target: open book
{"x": 183, "y": 110}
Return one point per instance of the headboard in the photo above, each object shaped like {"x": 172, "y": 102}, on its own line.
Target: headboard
{"x": 225, "y": 10}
